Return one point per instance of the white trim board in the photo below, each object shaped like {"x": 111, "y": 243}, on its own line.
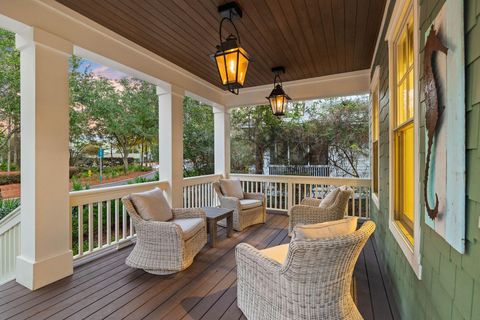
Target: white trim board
{"x": 412, "y": 254}
{"x": 342, "y": 84}
{"x": 375, "y": 86}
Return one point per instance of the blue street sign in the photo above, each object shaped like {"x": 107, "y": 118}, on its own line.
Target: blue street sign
{"x": 100, "y": 153}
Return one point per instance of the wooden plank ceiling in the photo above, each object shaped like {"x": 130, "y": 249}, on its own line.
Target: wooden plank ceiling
{"x": 310, "y": 38}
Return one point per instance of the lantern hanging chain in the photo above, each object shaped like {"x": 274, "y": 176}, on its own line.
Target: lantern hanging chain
{"x": 229, "y": 19}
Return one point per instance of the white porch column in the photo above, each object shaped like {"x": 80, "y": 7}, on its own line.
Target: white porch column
{"x": 170, "y": 141}
{"x": 222, "y": 140}
{"x": 45, "y": 240}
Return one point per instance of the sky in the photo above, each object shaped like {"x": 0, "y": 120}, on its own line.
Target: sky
{"x": 101, "y": 70}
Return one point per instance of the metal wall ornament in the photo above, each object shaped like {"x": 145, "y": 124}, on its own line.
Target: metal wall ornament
{"x": 433, "y": 110}
{"x": 279, "y": 100}
{"x": 231, "y": 59}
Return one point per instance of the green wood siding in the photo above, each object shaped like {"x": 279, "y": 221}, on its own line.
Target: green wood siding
{"x": 450, "y": 281}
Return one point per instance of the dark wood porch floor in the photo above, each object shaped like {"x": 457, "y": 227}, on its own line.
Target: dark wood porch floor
{"x": 107, "y": 289}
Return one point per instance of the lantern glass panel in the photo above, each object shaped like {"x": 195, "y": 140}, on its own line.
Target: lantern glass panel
{"x": 231, "y": 63}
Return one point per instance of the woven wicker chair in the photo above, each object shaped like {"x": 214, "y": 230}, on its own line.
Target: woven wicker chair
{"x": 314, "y": 281}
{"x": 162, "y": 247}
{"x": 242, "y": 217}
{"x": 309, "y": 212}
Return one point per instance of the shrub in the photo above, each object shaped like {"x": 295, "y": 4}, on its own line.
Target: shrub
{"x": 9, "y": 178}
{"x": 13, "y": 166}
{"x": 7, "y": 206}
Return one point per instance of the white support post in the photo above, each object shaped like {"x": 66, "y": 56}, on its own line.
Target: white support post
{"x": 222, "y": 140}
{"x": 170, "y": 141}
{"x": 45, "y": 232}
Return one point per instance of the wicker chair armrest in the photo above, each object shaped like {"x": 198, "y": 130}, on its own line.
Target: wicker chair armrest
{"x": 229, "y": 202}
{"x": 311, "y": 202}
{"x": 251, "y": 258}
{"x": 255, "y": 196}
{"x": 179, "y": 213}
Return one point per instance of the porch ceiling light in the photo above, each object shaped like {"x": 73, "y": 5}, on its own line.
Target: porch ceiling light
{"x": 231, "y": 59}
{"x": 278, "y": 99}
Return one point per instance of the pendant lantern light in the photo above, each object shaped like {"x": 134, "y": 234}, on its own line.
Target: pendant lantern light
{"x": 231, "y": 59}
{"x": 279, "y": 100}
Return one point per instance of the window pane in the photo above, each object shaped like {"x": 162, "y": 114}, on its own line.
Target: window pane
{"x": 401, "y": 115}
{"x": 375, "y": 167}
{"x": 410, "y": 41}
{"x": 402, "y": 57}
{"x": 410, "y": 95}
{"x": 375, "y": 115}
{"x": 404, "y": 176}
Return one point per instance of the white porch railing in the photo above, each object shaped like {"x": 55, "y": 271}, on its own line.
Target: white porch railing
{"x": 198, "y": 191}
{"x": 283, "y": 192}
{"x": 9, "y": 245}
{"x": 99, "y": 219}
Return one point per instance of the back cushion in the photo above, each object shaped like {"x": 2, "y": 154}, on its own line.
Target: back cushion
{"x": 329, "y": 200}
{"x": 231, "y": 188}
{"x": 152, "y": 205}
{"x": 326, "y": 229}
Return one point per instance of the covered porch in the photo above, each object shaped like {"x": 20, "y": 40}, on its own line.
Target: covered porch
{"x": 55, "y": 263}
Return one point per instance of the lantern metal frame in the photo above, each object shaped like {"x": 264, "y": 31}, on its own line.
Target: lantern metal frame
{"x": 278, "y": 91}
{"x": 229, "y": 12}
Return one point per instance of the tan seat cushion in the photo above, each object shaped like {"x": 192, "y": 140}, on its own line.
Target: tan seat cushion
{"x": 277, "y": 253}
{"x": 330, "y": 198}
{"x": 246, "y": 204}
{"x": 152, "y": 205}
{"x": 326, "y": 229}
{"x": 231, "y": 188}
{"x": 189, "y": 226}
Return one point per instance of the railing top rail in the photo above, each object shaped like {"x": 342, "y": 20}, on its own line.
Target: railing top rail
{"x": 201, "y": 179}
{"x": 10, "y": 220}
{"x": 335, "y": 181}
{"x": 95, "y": 195}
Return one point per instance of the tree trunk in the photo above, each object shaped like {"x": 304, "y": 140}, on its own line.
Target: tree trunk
{"x": 259, "y": 159}
{"x": 125, "y": 160}
{"x": 142, "y": 155}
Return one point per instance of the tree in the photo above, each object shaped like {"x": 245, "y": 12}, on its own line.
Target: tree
{"x": 9, "y": 91}
{"x": 328, "y": 131}
{"x": 257, "y": 128}
{"x": 198, "y": 135}
{"x": 347, "y": 133}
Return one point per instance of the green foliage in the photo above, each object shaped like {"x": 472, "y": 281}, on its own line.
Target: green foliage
{"x": 123, "y": 113}
{"x": 4, "y": 166}
{"x": 329, "y": 131}
{"x": 9, "y": 178}
{"x": 9, "y": 90}
{"x": 156, "y": 177}
{"x": 78, "y": 186}
{"x": 7, "y": 206}
{"x": 198, "y": 137}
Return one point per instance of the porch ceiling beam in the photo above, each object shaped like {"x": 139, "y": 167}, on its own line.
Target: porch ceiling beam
{"x": 336, "y": 85}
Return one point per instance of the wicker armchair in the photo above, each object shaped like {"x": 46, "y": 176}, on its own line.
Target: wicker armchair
{"x": 244, "y": 215}
{"x": 309, "y": 212}
{"x": 313, "y": 281}
{"x": 163, "y": 247}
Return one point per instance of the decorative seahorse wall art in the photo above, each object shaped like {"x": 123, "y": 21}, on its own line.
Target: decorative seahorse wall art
{"x": 433, "y": 111}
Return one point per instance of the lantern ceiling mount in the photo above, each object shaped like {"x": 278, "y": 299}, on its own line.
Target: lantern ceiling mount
{"x": 278, "y": 99}
{"x": 230, "y": 10}
{"x": 231, "y": 59}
